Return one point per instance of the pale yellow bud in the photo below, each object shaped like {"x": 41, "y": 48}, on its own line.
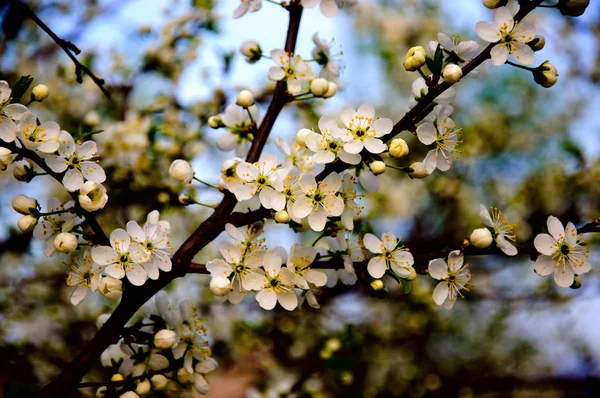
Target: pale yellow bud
{"x": 377, "y": 167}
{"x": 220, "y": 286}
{"x": 377, "y": 285}
{"x": 181, "y": 171}
{"x": 5, "y": 158}
{"x": 215, "y": 122}
{"x": 143, "y": 387}
{"x": 398, "y": 148}
{"x": 65, "y": 242}
{"x": 319, "y": 86}
{"x": 282, "y": 217}
{"x": 418, "y": 170}
{"x": 159, "y": 382}
{"x": 245, "y": 99}
{"x": 110, "y": 287}
{"x": 452, "y": 73}
{"x": 24, "y": 204}
{"x": 183, "y": 376}
{"x": 40, "y": 92}
{"x": 116, "y": 377}
{"x": 415, "y": 58}
{"x": 20, "y": 170}
{"x": 546, "y": 75}
{"x": 331, "y": 90}
{"x": 165, "y": 339}
{"x": 481, "y": 238}
{"x": 27, "y": 223}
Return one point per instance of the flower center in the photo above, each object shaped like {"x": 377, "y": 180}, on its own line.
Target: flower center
{"x": 565, "y": 249}
{"x": 274, "y": 282}
{"x": 124, "y": 258}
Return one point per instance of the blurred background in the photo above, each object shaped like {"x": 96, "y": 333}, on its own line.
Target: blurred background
{"x": 170, "y": 64}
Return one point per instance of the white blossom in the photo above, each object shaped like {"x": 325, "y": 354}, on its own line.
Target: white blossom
{"x": 389, "y": 254}
{"x": 77, "y": 160}
{"x": 348, "y": 194}
{"x": 263, "y": 178}
{"x": 42, "y": 138}
{"x": 92, "y": 196}
{"x": 319, "y": 200}
{"x": 443, "y": 133}
{"x": 122, "y": 257}
{"x": 53, "y": 224}
{"x": 511, "y": 37}
{"x": 84, "y": 275}
{"x": 154, "y": 239}
{"x": 299, "y": 261}
{"x": 241, "y": 123}
{"x": 503, "y": 231}
{"x": 322, "y": 55}
{"x": 329, "y": 8}
{"x": 291, "y": 68}
{"x": 453, "y": 277}
{"x": 362, "y": 130}
{"x": 8, "y": 113}
{"x": 245, "y": 6}
{"x": 277, "y": 284}
{"x": 328, "y": 145}
{"x": 562, "y": 253}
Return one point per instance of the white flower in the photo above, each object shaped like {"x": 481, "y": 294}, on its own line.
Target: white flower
{"x": 54, "y": 224}
{"x": 461, "y": 51}
{"x": 122, "y": 257}
{"x": 349, "y": 247}
{"x": 78, "y": 160}
{"x": 511, "y": 37}
{"x": 248, "y": 236}
{"x": 84, "y": 274}
{"x": 562, "y": 253}
{"x": 43, "y": 138}
{"x": 181, "y": 171}
{"x": 8, "y": 113}
{"x": 192, "y": 344}
{"x": 241, "y": 123}
{"x": 241, "y": 266}
{"x": 453, "y": 278}
{"x": 328, "y": 145}
{"x": 292, "y": 69}
{"x": 503, "y": 231}
{"x": 329, "y": 8}
{"x": 262, "y": 178}
{"x": 228, "y": 178}
{"x": 245, "y": 6}
{"x": 292, "y": 191}
{"x": 92, "y": 196}
{"x": 348, "y": 194}
{"x": 363, "y": 131}
{"x": 299, "y": 261}
{"x": 277, "y": 284}
{"x": 297, "y": 155}
{"x": 320, "y": 200}
{"x": 154, "y": 239}
{"x": 444, "y": 134}
{"x": 322, "y": 55}
{"x": 368, "y": 180}
{"x": 389, "y": 254}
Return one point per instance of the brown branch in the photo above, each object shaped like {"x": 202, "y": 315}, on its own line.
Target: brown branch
{"x": 68, "y": 47}
{"x": 135, "y": 297}
{"x": 90, "y": 219}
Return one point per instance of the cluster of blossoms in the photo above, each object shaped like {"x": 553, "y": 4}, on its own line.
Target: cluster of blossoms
{"x": 164, "y": 353}
{"x": 329, "y": 8}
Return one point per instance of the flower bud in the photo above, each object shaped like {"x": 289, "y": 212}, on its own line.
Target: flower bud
{"x": 110, "y": 287}
{"x": 452, "y": 73}
{"x": 129, "y": 394}
{"x": 143, "y": 387}
{"x": 215, "y": 122}
{"x": 181, "y": 171}
{"x": 251, "y": 50}
{"x": 27, "y": 223}
{"x": 572, "y": 8}
{"x": 65, "y": 242}
{"x": 331, "y": 90}
{"x": 5, "y": 158}
{"x": 220, "y": 286}
{"x": 39, "y": 92}
{"x": 165, "y": 339}
{"x": 301, "y": 136}
{"x": 418, "y": 170}
{"x": 576, "y": 282}
{"x": 24, "y": 204}
{"x": 282, "y": 217}
{"x": 205, "y": 366}
{"x": 92, "y": 196}
{"x": 117, "y": 377}
{"x": 183, "y": 376}
{"x": 91, "y": 118}
{"x": 159, "y": 382}
{"x": 377, "y": 285}
{"x": 200, "y": 384}
{"x": 319, "y": 86}
{"x": 245, "y": 99}
{"x": 21, "y": 171}
{"x": 491, "y": 4}
{"x": 481, "y": 238}
{"x": 545, "y": 75}
{"x": 101, "y": 392}
{"x": 398, "y": 148}
{"x": 538, "y": 43}
{"x": 186, "y": 199}
{"x": 377, "y": 167}
{"x": 414, "y": 58}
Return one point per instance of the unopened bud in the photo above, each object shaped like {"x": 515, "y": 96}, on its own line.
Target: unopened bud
{"x": 398, "y": 148}
{"x": 572, "y": 8}
{"x": 143, "y": 387}
{"x": 27, "y": 223}
{"x": 183, "y": 376}
{"x": 5, "y": 158}
{"x": 186, "y": 199}
{"x": 452, "y": 73}
{"x": 101, "y": 392}
{"x": 414, "y": 58}
{"x": 245, "y": 99}
{"x": 377, "y": 167}
{"x": 165, "y": 339}
{"x": 215, "y": 122}
{"x": 65, "y": 242}
{"x": 39, "y": 92}
{"x": 491, "y": 4}
{"x": 206, "y": 366}
{"x": 282, "y": 217}
{"x": 331, "y": 90}
{"x": 481, "y": 238}
{"x": 110, "y": 287}
{"x": 21, "y": 171}
{"x": 220, "y": 286}
{"x": 576, "y": 282}
{"x": 117, "y": 377}
{"x": 251, "y": 50}
{"x": 538, "y": 43}
{"x": 545, "y": 75}
{"x": 159, "y": 382}
{"x": 319, "y": 86}
{"x": 129, "y": 394}
{"x": 200, "y": 384}
{"x": 377, "y": 285}
{"x": 418, "y": 170}
{"x": 24, "y": 204}
{"x": 181, "y": 171}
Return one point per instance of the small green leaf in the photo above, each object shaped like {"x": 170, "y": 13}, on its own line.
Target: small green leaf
{"x": 20, "y": 87}
{"x": 407, "y": 286}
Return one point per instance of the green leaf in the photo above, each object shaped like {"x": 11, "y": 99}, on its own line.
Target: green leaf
{"x": 406, "y": 285}
{"x": 435, "y": 64}
{"x": 20, "y": 87}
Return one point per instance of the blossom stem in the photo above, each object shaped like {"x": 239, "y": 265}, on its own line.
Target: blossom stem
{"x": 520, "y": 66}
{"x": 206, "y": 183}
{"x": 250, "y": 116}
{"x": 53, "y": 212}
{"x": 423, "y": 75}
{"x": 275, "y": 2}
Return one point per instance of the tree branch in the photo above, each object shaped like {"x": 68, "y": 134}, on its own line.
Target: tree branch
{"x": 68, "y": 47}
